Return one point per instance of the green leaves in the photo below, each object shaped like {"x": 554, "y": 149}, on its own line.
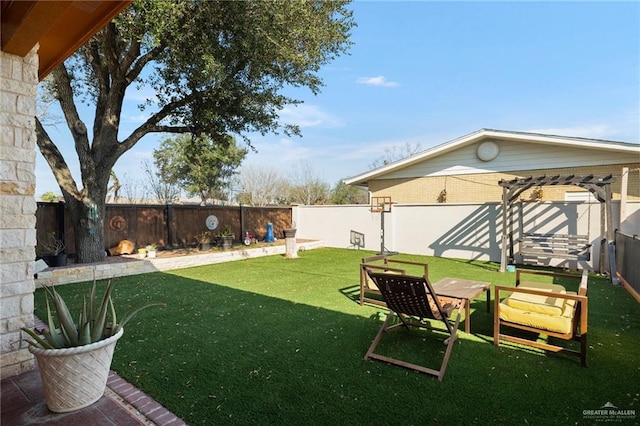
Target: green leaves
{"x": 95, "y": 322}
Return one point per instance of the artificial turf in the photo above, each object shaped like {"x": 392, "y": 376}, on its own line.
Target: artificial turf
{"x": 281, "y": 341}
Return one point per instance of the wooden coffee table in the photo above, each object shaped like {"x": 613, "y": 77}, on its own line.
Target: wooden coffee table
{"x": 466, "y": 290}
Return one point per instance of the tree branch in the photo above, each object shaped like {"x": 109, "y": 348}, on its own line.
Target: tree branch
{"x": 56, "y": 161}
{"x": 93, "y": 55}
{"x": 102, "y": 74}
{"x": 75, "y": 124}
{"x": 170, "y": 129}
{"x": 147, "y": 128}
{"x": 152, "y": 126}
{"x": 139, "y": 65}
{"x": 129, "y": 57}
{"x": 110, "y": 45}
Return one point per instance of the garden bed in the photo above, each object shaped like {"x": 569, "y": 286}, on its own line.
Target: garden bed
{"x": 118, "y": 266}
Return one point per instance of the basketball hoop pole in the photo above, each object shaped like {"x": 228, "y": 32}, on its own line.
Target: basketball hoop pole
{"x": 382, "y": 232}
{"x": 382, "y": 205}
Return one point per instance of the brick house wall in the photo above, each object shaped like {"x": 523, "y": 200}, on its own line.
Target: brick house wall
{"x": 484, "y": 186}
{"x": 19, "y": 78}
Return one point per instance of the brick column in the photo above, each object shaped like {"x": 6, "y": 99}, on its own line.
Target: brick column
{"x": 18, "y": 88}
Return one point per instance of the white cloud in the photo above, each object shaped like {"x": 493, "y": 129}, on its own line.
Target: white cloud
{"x": 307, "y": 116}
{"x": 141, "y": 95}
{"x": 137, "y": 118}
{"x": 377, "y": 81}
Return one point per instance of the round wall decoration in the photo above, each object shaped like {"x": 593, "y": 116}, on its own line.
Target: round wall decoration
{"x": 488, "y": 151}
{"x": 211, "y": 222}
{"x": 118, "y": 223}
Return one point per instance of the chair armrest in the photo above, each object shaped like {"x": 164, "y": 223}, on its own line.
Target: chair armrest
{"x": 582, "y": 290}
{"x": 374, "y": 258}
{"x": 520, "y": 272}
{"x": 577, "y": 297}
{"x": 383, "y": 268}
{"x": 409, "y": 262}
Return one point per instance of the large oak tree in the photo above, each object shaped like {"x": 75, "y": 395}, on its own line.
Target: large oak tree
{"x": 216, "y": 68}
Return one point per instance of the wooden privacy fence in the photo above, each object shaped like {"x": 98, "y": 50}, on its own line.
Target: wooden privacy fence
{"x": 168, "y": 226}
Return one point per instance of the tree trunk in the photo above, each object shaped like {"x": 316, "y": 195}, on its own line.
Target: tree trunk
{"x": 87, "y": 217}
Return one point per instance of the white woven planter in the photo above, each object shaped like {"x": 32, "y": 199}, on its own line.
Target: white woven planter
{"x": 74, "y": 378}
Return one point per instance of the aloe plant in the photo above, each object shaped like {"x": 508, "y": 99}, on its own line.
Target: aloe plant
{"x": 97, "y": 321}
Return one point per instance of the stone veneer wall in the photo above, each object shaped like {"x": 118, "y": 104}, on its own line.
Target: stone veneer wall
{"x": 19, "y": 79}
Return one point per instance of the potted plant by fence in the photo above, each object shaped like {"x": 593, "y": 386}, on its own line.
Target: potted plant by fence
{"x": 53, "y": 246}
{"x": 151, "y": 250}
{"x": 226, "y": 237}
{"x": 74, "y": 358}
{"x": 204, "y": 240}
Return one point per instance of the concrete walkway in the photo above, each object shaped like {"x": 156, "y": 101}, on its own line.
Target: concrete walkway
{"x": 23, "y": 403}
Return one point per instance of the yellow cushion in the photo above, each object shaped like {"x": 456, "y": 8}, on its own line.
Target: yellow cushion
{"x": 371, "y": 285}
{"x": 547, "y": 305}
{"x": 556, "y": 323}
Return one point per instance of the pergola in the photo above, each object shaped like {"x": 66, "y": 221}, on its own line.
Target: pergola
{"x": 600, "y": 187}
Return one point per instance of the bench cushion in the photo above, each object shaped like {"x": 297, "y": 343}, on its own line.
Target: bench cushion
{"x": 371, "y": 285}
{"x": 550, "y": 305}
{"x": 541, "y": 312}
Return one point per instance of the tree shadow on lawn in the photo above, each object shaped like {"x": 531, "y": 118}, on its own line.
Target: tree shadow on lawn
{"x": 224, "y": 355}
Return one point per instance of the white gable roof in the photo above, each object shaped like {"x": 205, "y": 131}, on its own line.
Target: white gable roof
{"x": 518, "y": 149}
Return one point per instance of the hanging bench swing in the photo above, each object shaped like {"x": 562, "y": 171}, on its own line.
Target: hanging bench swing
{"x": 539, "y": 248}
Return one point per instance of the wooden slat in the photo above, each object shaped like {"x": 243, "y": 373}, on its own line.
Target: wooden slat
{"x": 561, "y": 246}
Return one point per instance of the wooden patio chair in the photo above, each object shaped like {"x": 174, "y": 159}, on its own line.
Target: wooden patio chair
{"x": 369, "y": 292}
{"x": 542, "y": 308}
{"x": 414, "y": 302}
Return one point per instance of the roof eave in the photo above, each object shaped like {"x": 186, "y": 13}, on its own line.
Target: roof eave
{"x": 363, "y": 179}
{"x": 60, "y": 27}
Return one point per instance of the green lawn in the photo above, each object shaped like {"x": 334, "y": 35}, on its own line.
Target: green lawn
{"x": 281, "y": 341}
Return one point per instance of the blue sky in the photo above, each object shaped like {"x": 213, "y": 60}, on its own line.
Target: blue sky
{"x": 429, "y": 72}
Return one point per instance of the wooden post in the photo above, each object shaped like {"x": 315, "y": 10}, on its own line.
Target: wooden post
{"x": 242, "y": 227}
{"x": 611, "y": 247}
{"x": 624, "y": 183}
{"x": 505, "y": 238}
{"x": 610, "y": 230}
{"x": 169, "y": 224}
{"x": 381, "y": 232}
{"x": 520, "y": 228}
{"x": 60, "y": 221}
{"x": 603, "y": 239}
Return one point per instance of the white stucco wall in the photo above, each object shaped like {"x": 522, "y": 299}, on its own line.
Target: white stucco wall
{"x": 464, "y": 231}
